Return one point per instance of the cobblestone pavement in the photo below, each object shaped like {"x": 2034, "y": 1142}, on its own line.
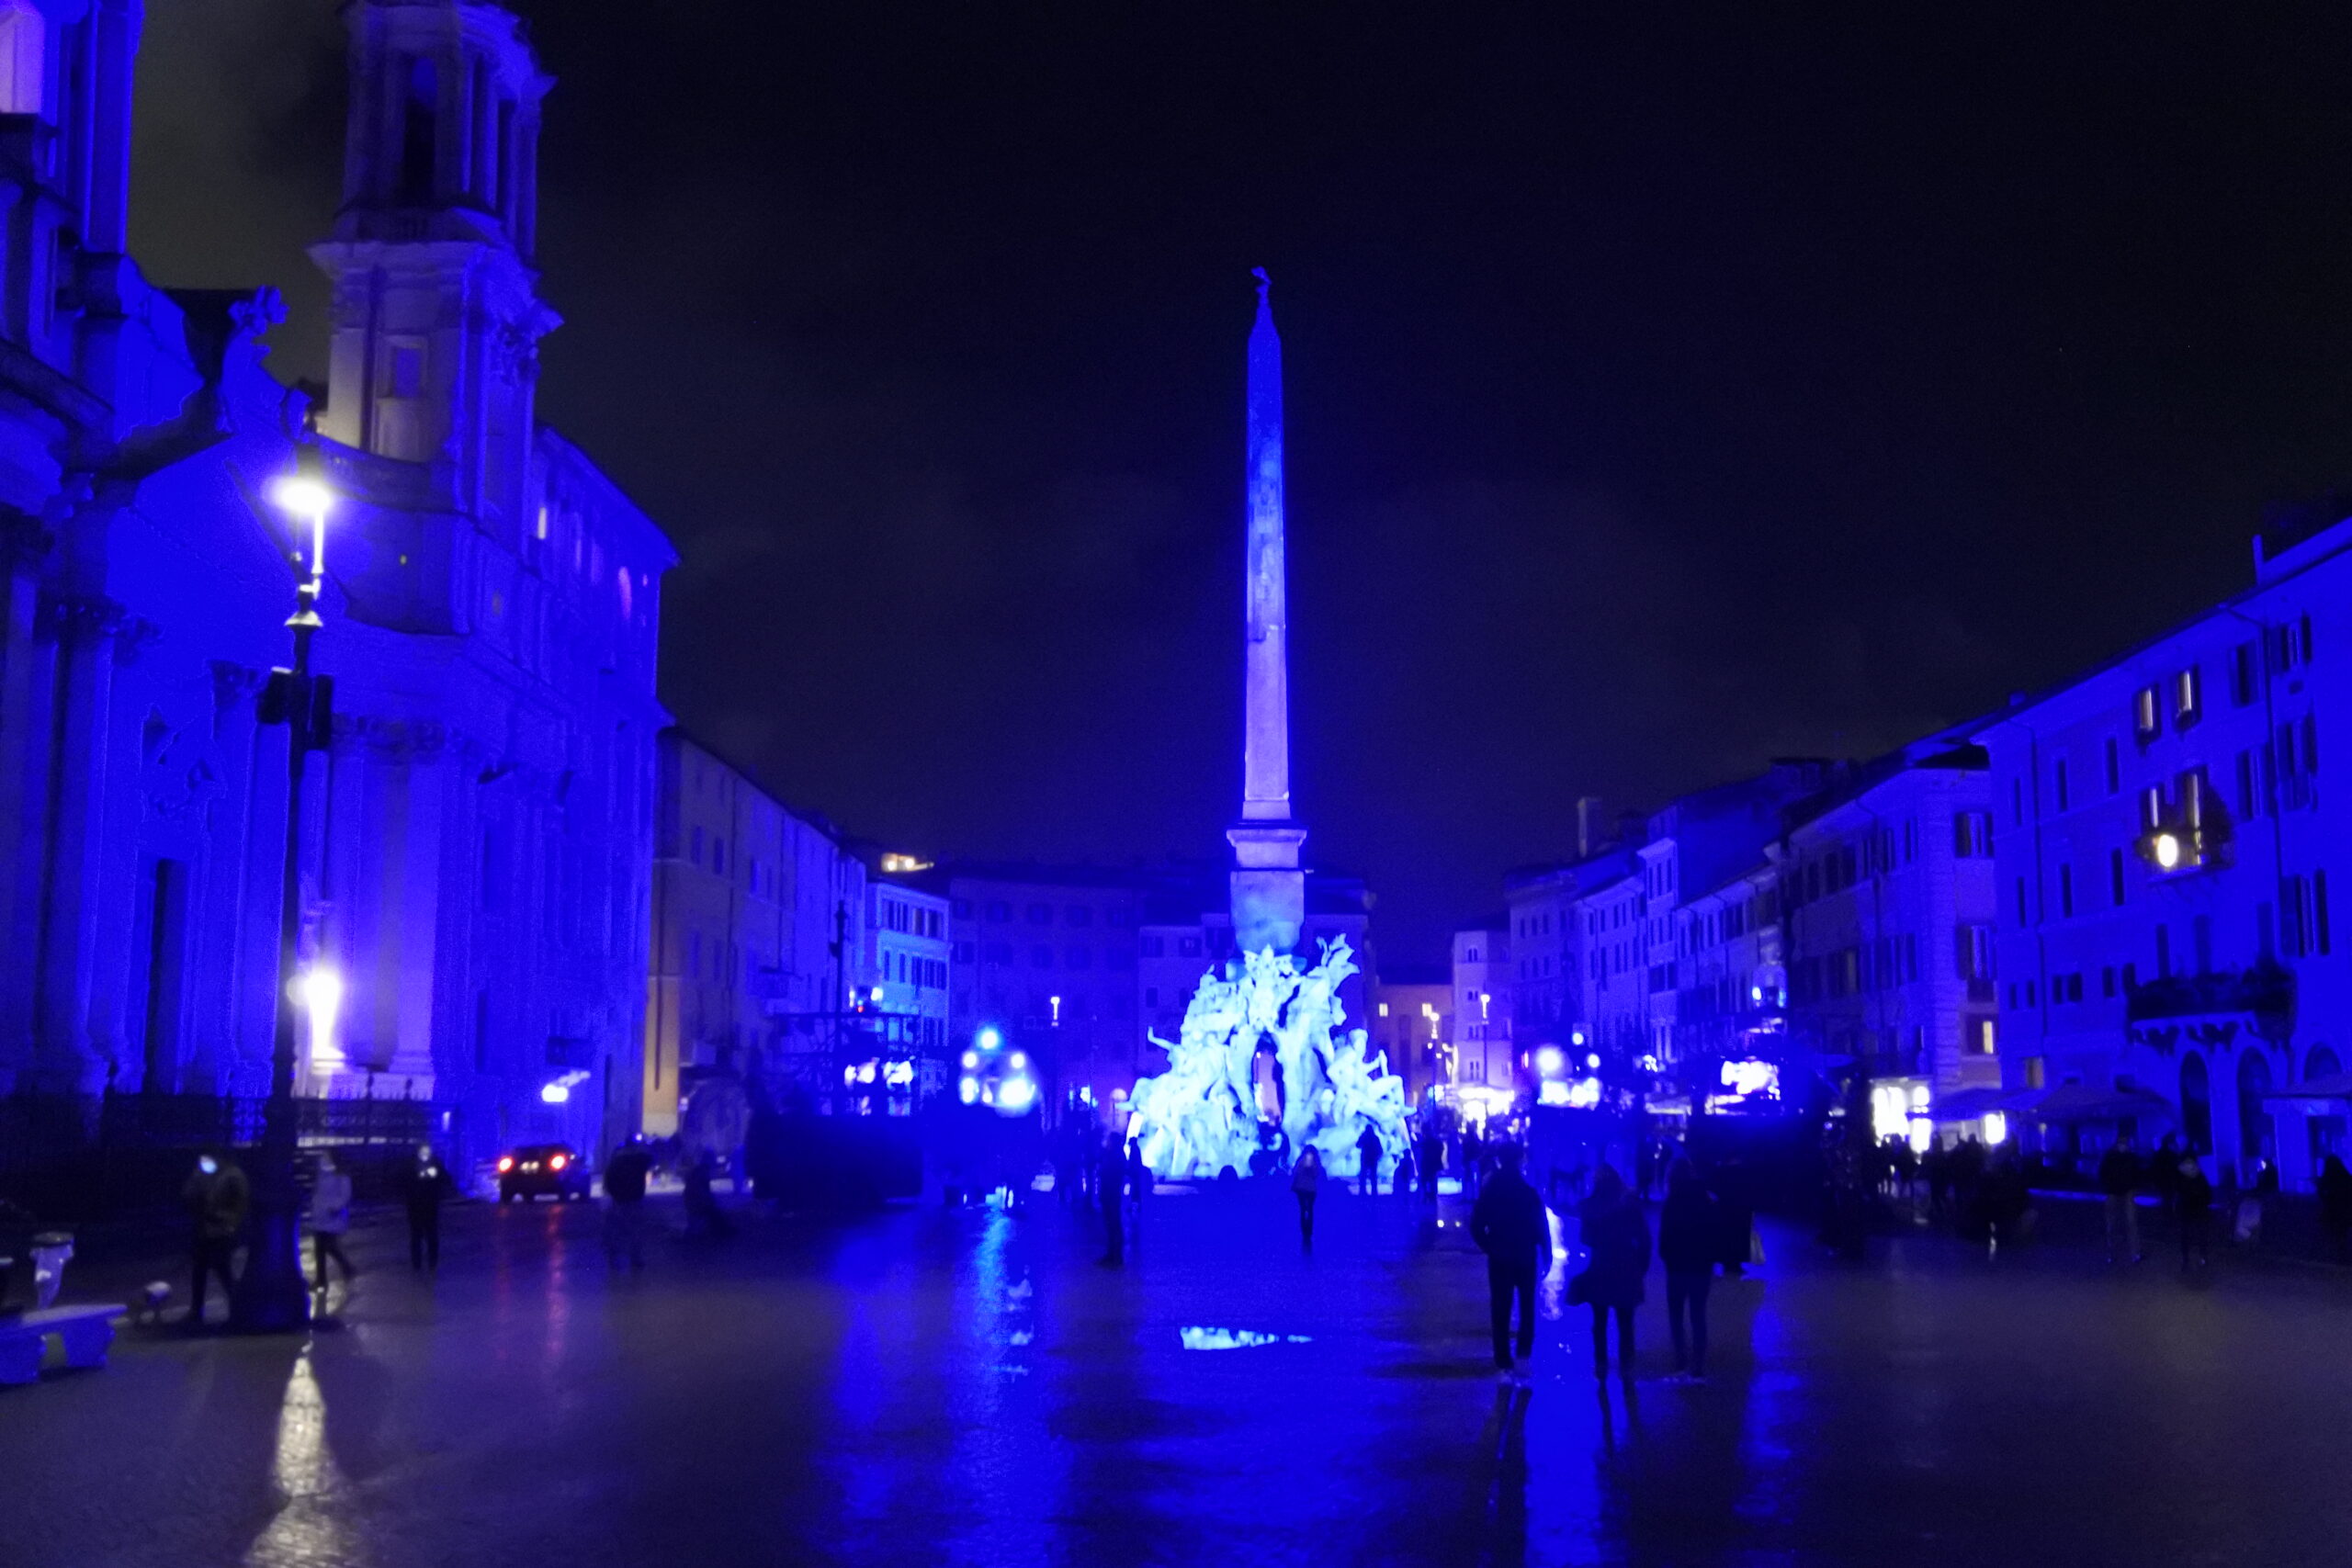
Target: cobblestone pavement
{"x": 935, "y": 1387}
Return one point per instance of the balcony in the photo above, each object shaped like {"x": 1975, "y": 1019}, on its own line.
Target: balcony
{"x": 2211, "y": 1008}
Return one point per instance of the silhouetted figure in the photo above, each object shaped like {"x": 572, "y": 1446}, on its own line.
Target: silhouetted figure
{"x": 2336, "y": 1207}
{"x": 1432, "y": 1161}
{"x": 423, "y": 1191}
{"x": 1511, "y": 1226}
{"x": 1618, "y": 1237}
{"x": 1305, "y": 1181}
{"x": 1110, "y": 1196}
{"x": 329, "y": 1218}
{"x": 2193, "y": 1204}
{"x": 1368, "y": 1153}
{"x": 704, "y": 1216}
{"x": 2118, "y": 1179}
{"x": 217, "y": 1195}
{"x": 1138, "y": 1183}
{"x": 624, "y": 1177}
{"x": 1687, "y": 1229}
{"x": 1473, "y": 1162}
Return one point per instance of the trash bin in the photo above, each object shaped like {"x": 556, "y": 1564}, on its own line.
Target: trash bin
{"x": 52, "y": 1251}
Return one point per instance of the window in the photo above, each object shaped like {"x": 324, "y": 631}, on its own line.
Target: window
{"x": 2318, "y": 912}
{"x": 2152, "y": 807}
{"x": 2249, "y": 785}
{"x": 1153, "y": 946}
{"x": 2065, "y": 890}
{"x": 2295, "y": 916}
{"x": 718, "y": 855}
{"x": 1078, "y": 915}
{"x": 2023, "y": 918}
{"x": 1041, "y": 914}
{"x": 24, "y": 38}
{"x": 2114, "y": 766}
{"x": 2115, "y": 877}
{"x": 1974, "y": 944}
{"x": 2058, "y": 782}
{"x": 2148, "y": 710}
{"x": 999, "y": 911}
{"x": 1041, "y": 958}
{"x": 2017, "y": 802}
{"x": 1078, "y": 958}
{"x": 2187, "y": 695}
{"x": 2107, "y": 980}
{"x": 1973, "y": 834}
{"x": 2245, "y": 667}
{"x": 1976, "y": 1035}
{"x": 997, "y": 952}
{"x": 963, "y": 907}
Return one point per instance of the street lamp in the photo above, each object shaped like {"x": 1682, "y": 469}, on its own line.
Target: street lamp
{"x": 271, "y": 1296}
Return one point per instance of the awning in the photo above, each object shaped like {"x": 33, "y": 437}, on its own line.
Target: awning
{"x": 1967, "y": 1104}
{"x": 2090, "y": 1102}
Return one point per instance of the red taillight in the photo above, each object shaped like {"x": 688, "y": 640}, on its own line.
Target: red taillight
{"x": 506, "y": 1163}
{"x": 557, "y": 1162}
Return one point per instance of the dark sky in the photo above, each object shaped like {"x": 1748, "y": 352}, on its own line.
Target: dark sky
{"x": 1666, "y": 392}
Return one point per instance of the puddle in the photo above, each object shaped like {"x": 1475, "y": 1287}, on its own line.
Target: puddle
{"x": 1235, "y": 1339}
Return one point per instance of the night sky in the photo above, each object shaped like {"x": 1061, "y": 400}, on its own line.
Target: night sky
{"x": 1666, "y": 393}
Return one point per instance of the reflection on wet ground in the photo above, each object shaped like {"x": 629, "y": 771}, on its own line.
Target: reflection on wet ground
{"x": 970, "y": 1387}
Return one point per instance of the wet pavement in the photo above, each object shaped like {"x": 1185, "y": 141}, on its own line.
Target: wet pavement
{"x": 936, "y": 1387}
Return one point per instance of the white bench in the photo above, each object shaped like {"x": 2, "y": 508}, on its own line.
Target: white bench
{"x": 83, "y": 1331}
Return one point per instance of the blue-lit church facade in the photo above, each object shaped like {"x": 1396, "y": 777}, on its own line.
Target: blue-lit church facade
{"x": 478, "y": 833}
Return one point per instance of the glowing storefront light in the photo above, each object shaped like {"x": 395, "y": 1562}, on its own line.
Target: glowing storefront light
{"x": 1554, "y": 1091}
{"x": 1584, "y": 1094}
{"x": 1997, "y": 1128}
{"x": 968, "y": 1090}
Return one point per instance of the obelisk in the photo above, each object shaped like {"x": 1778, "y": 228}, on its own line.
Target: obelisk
{"x": 1269, "y": 889}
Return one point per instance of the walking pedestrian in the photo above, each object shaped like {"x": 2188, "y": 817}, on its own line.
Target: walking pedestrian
{"x": 704, "y": 1216}
{"x": 625, "y": 1177}
{"x": 1618, "y": 1238}
{"x": 2193, "y": 1204}
{"x": 1306, "y": 1180}
{"x": 1139, "y": 1183}
{"x": 1432, "y": 1160}
{"x": 1473, "y": 1160}
{"x": 2118, "y": 1178}
{"x": 422, "y": 1193}
{"x": 1511, "y": 1227}
{"x": 1368, "y": 1153}
{"x": 2336, "y": 1207}
{"x": 1111, "y": 1197}
{"x": 329, "y": 1218}
{"x": 217, "y": 1195}
{"x": 1689, "y": 1233}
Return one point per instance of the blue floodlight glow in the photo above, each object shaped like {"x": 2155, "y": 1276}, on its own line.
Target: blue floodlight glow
{"x": 1015, "y": 1095}
{"x": 988, "y": 1039}
{"x": 1593, "y": 1059}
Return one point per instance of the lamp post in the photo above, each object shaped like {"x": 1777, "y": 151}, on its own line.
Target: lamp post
{"x": 271, "y": 1296}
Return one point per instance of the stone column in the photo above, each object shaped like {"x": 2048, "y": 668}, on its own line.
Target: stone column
{"x": 417, "y": 868}
{"x": 216, "y": 941}
{"x": 84, "y": 629}
{"x": 24, "y": 664}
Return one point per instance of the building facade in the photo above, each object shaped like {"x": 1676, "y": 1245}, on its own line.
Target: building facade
{"x": 1412, "y": 1024}
{"x": 476, "y": 835}
{"x": 906, "y": 979}
{"x": 2163, "y": 843}
{"x": 1485, "y": 1076}
{"x": 1887, "y": 883}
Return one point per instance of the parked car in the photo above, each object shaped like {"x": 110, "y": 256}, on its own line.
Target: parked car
{"x": 555, "y": 1170}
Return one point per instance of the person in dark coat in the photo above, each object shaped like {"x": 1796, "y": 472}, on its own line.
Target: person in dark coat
{"x": 423, "y": 1191}
{"x": 2118, "y": 1179}
{"x": 2193, "y": 1204}
{"x": 2335, "y": 1206}
{"x": 1618, "y": 1237}
{"x": 1511, "y": 1227}
{"x": 1432, "y": 1160}
{"x": 1111, "y": 1197}
{"x": 626, "y": 1175}
{"x": 217, "y": 1196}
{"x": 1368, "y": 1153}
{"x": 1688, "y": 1233}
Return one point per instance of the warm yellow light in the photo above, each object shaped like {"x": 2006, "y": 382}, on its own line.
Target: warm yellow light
{"x": 2167, "y": 848}
{"x": 302, "y": 495}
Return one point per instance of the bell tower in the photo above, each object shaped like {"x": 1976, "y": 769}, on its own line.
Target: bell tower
{"x": 437, "y": 317}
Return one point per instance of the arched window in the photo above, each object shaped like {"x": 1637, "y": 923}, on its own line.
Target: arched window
{"x": 2255, "y": 1140}
{"x": 24, "y": 45}
{"x": 2320, "y": 1063}
{"x": 2196, "y": 1105}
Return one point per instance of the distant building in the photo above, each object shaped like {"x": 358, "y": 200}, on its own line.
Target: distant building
{"x": 2164, "y": 837}
{"x": 1731, "y": 982}
{"x": 1412, "y": 1020}
{"x": 905, "y": 974}
{"x": 1485, "y": 1078}
{"x": 750, "y": 902}
{"x": 1887, "y": 884}
{"x": 1079, "y": 965}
